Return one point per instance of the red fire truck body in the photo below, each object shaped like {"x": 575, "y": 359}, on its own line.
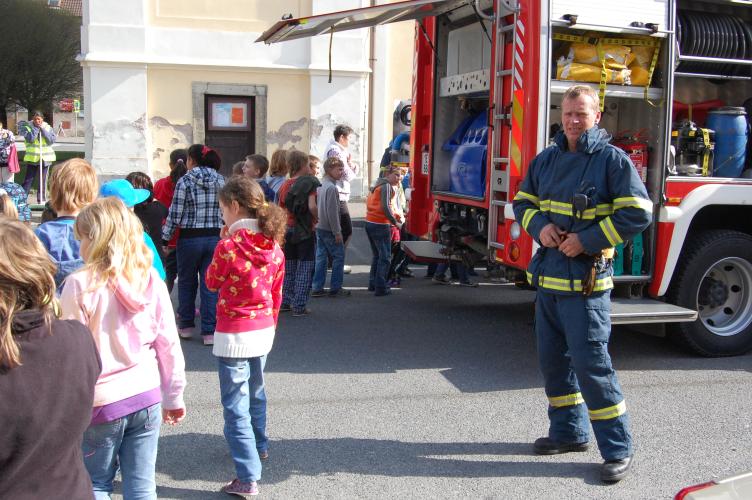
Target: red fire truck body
{"x": 488, "y": 78}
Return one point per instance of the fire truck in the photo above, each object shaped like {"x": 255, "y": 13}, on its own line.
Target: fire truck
{"x": 673, "y": 78}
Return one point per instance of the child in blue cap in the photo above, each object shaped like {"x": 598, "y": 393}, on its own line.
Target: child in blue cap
{"x": 130, "y": 196}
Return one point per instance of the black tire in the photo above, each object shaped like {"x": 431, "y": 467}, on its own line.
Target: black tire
{"x": 714, "y": 277}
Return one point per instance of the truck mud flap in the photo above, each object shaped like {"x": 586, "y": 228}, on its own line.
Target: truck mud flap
{"x": 636, "y": 311}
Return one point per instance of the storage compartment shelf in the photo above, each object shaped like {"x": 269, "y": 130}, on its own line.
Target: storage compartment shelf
{"x": 626, "y": 91}
{"x": 475, "y": 82}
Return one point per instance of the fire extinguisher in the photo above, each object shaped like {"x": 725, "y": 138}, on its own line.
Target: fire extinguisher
{"x": 634, "y": 143}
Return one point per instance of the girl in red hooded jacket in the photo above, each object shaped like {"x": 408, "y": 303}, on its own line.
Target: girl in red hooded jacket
{"x": 247, "y": 271}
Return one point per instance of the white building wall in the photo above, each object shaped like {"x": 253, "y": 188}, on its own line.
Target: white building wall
{"x": 117, "y": 140}
{"x": 119, "y": 46}
{"x": 115, "y": 86}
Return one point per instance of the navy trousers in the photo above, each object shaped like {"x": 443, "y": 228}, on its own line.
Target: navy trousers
{"x": 573, "y": 333}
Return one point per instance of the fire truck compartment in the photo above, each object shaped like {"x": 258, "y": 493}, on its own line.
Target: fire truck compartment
{"x": 468, "y": 145}
{"x": 462, "y": 80}
{"x": 637, "y": 311}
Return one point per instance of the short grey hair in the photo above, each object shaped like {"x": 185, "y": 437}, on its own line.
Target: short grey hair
{"x": 576, "y": 91}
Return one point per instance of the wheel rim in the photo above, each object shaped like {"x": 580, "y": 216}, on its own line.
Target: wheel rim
{"x": 724, "y": 303}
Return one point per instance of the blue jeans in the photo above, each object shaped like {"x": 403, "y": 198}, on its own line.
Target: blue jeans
{"x": 241, "y": 385}
{"x": 326, "y": 246}
{"x": 380, "y": 238}
{"x": 129, "y": 444}
{"x": 194, "y": 256}
{"x": 457, "y": 269}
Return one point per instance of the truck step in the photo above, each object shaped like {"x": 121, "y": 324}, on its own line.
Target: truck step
{"x": 634, "y": 311}
{"x": 425, "y": 251}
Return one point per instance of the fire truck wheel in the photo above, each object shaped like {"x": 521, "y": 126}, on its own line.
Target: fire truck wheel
{"x": 714, "y": 277}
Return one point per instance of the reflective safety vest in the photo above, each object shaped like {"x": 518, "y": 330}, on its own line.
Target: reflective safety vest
{"x": 39, "y": 147}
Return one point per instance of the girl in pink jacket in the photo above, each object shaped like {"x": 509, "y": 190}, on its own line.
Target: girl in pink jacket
{"x": 125, "y": 304}
{"x": 247, "y": 270}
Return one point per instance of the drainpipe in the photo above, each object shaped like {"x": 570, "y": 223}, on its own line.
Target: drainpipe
{"x": 372, "y": 66}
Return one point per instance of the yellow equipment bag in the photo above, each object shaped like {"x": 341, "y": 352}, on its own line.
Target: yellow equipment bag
{"x": 643, "y": 55}
{"x": 640, "y": 76}
{"x": 566, "y": 70}
{"x": 616, "y": 56}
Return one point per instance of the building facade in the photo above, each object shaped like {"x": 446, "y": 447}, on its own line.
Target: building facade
{"x": 164, "y": 74}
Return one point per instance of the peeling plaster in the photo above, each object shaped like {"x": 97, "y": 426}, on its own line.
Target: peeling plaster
{"x": 322, "y": 132}
{"x": 319, "y": 124}
{"x": 112, "y": 139}
{"x": 166, "y": 136}
{"x": 286, "y": 133}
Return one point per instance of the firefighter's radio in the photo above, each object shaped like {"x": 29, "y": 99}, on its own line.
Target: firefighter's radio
{"x": 694, "y": 149}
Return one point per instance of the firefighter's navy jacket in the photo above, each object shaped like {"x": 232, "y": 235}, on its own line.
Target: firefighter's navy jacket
{"x": 618, "y": 207}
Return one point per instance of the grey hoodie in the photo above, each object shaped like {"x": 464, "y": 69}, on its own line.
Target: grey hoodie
{"x": 328, "y": 203}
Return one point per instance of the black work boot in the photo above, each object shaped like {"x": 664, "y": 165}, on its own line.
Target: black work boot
{"x": 615, "y": 470}
{"x": 547, "y": 446}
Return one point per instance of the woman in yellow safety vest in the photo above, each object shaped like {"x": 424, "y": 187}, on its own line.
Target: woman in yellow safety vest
{"x": 39, "y": 137}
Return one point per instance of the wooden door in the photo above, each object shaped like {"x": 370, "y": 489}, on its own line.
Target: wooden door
{"x": 229, "y": 128}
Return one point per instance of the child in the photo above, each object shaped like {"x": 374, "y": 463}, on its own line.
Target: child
{"x": 255, "y": 167}
{"x": 73, "y": 185}
{"x": 329, "y": 241}
{"x": 248, "y": 271}
{"x": 298, "y": 197}
{"x": 381, "y": 214}
{"x": 48, "y": 369}
{"x": 8, "y": 155}
{"x": 195, "y": 210}
{"x": 130, "y": 196}
{"x": 7, "y": 207}
{"x": 237, "y": 167}
{"x": 150, "y": 212}
{"x": 164, "y": 190}
{"x": 315, "y": 163}
{"x": 278, "y": 170}
{"x": 125, "y": 304}
{"x": 18, "y": 198}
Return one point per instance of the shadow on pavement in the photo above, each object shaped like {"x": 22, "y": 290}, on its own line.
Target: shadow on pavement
{"x": 373, "y": 457}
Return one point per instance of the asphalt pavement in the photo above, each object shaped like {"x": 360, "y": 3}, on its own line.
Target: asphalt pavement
{"x": 434, "y": 392}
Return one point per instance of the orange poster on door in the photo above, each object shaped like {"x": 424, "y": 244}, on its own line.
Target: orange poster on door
{"x": 238, "y": 115}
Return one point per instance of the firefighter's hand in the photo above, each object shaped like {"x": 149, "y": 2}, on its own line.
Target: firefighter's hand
{"x": 551, "y": 236}
{"x": 571, "y": 246}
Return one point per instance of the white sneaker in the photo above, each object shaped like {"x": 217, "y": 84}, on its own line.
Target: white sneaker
{"x": 347, "y": 269}
{"x": 185, "y": 333}
{"x": 208, "y": 339}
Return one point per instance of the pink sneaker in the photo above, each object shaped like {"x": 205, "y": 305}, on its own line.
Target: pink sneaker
{"x": 208, "y": 339}
{"x": 185, "y": 333}
{"x": 238, "y": 488}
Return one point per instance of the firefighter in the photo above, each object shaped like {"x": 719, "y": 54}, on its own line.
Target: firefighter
{"x": 580, "y": 198}
{"x": 39, "y": 137}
